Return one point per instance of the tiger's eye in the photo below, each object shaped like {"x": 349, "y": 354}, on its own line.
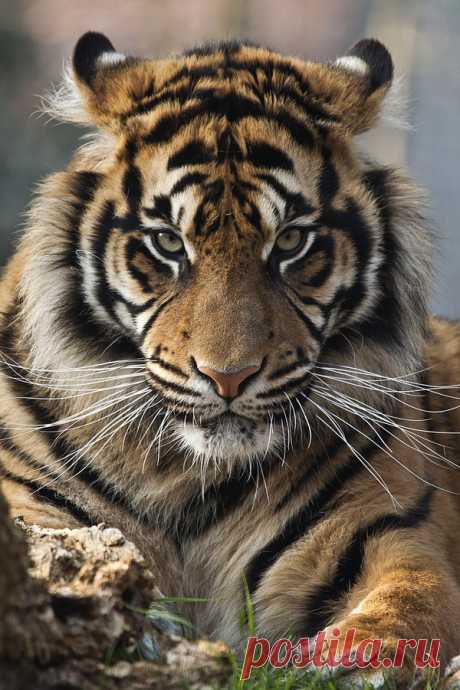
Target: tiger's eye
{"x": 290, "y": 240}
{"x": 169, "y": 242}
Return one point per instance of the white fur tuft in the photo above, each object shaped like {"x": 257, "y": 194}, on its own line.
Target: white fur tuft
{"x": 65, "y": 103}
{"x": 111, "y": 58}
{"x": 352, "y": 63}
{"x": 395, "y": 111}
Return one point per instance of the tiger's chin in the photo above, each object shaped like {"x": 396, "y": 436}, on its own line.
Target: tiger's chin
{"x": 229, "y": 438}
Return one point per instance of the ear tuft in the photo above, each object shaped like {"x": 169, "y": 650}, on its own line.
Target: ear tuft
{"x": 372, "y": 56}
{"x": 91, "y": 48}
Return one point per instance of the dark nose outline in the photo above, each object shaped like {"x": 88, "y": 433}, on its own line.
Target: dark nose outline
{"x": 228, "y": 384}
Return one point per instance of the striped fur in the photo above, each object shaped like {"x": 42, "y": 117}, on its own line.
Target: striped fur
{"x": 323, "y": 482}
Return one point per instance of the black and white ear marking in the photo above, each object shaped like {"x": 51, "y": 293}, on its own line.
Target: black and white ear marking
{"x": 369, "y": 58}
{"x": 93, "y": 50}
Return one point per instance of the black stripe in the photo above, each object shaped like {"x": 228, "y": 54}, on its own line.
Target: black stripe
{"x": 133, "y": 189}
{"x": 288, "y": 369}
{"x": 329, "y": 179}
{"x": 296, "y": 203}
{"x": 228, "y": 149}
{"x": 170, "y": 96}
{"x": 312, "y": 329}
{"x": 193, "y": 74}
{"x": 183, "y": 95}
{"x": 289, "y": 385}
{"x": 336, "y": 445}
{"x": 350, "y": 564}
{"x": 153, "y": 318}
{"x": 253, "y": 216}
{"x": 169, "y": 385}
{"x": 195, "y": 152}
{"x": 168, "y": 366}
{"x": 102, "y": 230}
{"x": 214, "y": 194}
{"x": 161, "y": 208}
{"x": 264, "y": 155}
{"x": 266, "y": 66}
{"x": 187, "y": 181}
{"x": 51, "y": 497}
{"x": 306, "y": 518}
{"x": 308, "y": 301}
{"x": 202, "y": 512}
{"x": 106, "y": 295}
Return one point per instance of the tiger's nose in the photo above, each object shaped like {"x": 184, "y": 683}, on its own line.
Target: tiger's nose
{"x": 228, "y": 384}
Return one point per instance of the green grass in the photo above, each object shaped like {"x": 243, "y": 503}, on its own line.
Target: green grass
{"x": 266, "y": 678}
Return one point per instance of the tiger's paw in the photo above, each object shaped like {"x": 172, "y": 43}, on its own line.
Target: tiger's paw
{"x": 356, "y": 658}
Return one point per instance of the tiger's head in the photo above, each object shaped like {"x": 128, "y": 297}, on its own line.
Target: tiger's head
{"x": 231, "y": 236}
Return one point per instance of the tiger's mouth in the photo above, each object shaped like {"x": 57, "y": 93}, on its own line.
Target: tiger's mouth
{"x": 228, "y": 421}
{"x": 229, "y": 437}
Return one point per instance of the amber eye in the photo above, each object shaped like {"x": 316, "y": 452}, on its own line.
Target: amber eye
{"x": 169, "y": 244}
{"x": 290, "y": 241}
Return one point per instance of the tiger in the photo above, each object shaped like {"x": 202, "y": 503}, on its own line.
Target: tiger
{"x": 215, "y": 335}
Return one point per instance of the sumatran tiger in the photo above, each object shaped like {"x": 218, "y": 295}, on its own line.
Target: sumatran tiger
{"x": 215, "y": 336}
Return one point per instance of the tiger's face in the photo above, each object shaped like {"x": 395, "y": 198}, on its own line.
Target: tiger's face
{"x": 235, "y": 235}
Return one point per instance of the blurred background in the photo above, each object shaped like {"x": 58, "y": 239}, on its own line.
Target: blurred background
{"x": 36, "y": 36}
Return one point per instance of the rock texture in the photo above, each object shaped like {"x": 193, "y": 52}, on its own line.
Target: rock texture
{"x": 73, "y": 610}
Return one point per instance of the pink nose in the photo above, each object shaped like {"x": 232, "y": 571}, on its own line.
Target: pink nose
{"x": 228, "y": 385}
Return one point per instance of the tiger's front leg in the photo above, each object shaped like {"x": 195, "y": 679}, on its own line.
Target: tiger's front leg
{"x": 391, "y": 586}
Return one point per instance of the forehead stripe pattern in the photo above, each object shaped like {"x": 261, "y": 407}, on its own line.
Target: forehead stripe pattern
{"x": 255, "y": 68}
{"x": 234, "y": 108}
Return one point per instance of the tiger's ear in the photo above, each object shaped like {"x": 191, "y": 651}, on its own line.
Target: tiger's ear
{"x": 92, "y": 53}
{"x": 370, "y": 60}
{"x": 107, "y": 82}
{"x": 355, "y": 85}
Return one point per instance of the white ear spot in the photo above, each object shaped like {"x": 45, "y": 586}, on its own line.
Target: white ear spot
{"x": 353, "y": 64}
{"x": 111, "y": 58}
